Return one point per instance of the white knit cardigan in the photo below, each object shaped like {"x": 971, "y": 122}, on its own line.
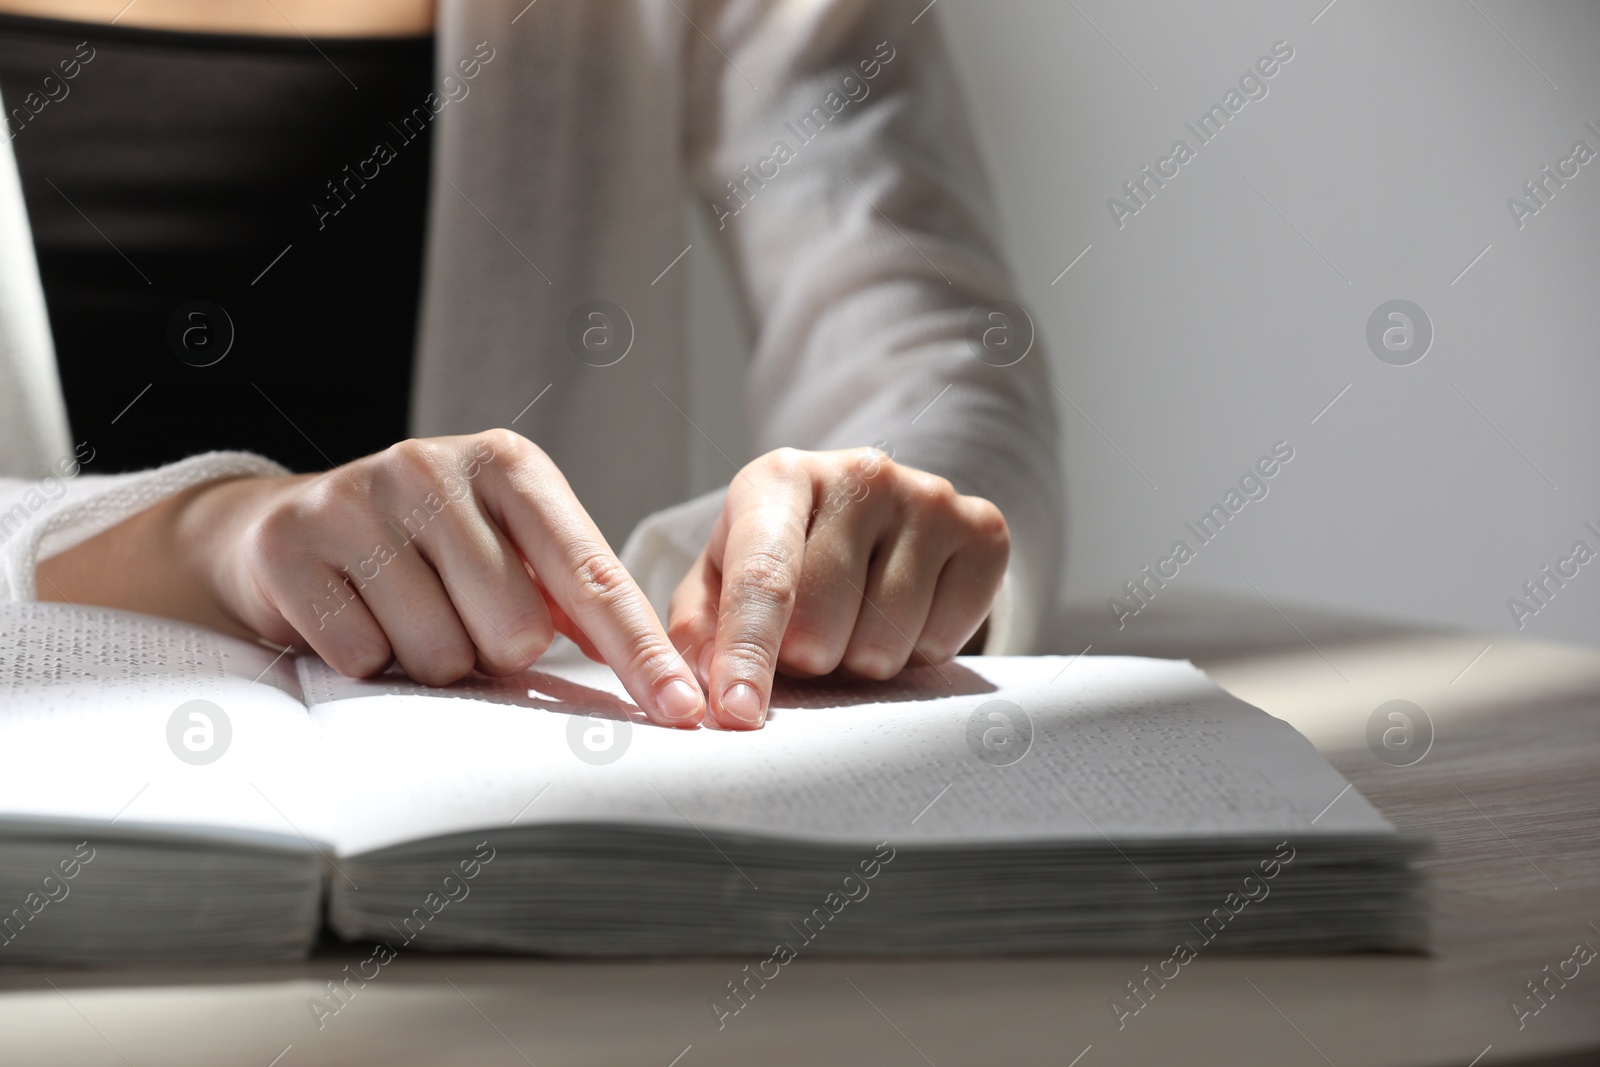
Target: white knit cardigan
{"x": 860, "y": 249}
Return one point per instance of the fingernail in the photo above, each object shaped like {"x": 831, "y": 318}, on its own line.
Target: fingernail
{"x": 743, "y": 704}
{"x": 678, "y": 702}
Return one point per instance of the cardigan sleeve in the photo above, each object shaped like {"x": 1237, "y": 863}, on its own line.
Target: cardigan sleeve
{"x": 828, "y": 140}
{"x": 44, "y": 517}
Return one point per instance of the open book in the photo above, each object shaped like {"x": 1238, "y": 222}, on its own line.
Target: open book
{"x": 171, "y": 792}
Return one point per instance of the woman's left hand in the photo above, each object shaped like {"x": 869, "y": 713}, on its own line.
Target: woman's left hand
{"x": 824, "y": 561}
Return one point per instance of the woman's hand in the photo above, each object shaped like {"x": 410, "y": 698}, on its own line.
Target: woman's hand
{"x": 442, "y": 554}
{"x": 824, "y": 561}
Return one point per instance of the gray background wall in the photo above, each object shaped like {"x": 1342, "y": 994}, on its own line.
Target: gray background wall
{"x": 1230, "y": 311}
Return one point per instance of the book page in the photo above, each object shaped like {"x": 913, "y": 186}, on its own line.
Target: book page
{"x": 116, "y": 718}
{"x": 984, "y": 750}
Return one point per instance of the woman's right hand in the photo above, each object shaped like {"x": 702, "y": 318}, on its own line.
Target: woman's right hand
{"x": 442, "y": 554}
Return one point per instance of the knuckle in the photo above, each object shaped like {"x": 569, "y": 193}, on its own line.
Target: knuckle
{"x": 875, "y": 461}
{"x": 501, "y": 442}
{"x": 647, "y": 659}
{"x": 655, "y": 661}
{"x": 748, "y": 658}
{"x": 940, "y": 491}
{"x": 927, "y": 490}
{"x": 274, "y": 532}
{"x": 603, "y": 582}
{"x": 600, "y": 576}
{"x": 989, "y": 526}
{"x": 525, "y": 468}
{"x": 406, "y": 464}
{"x": 501, "y": 439}
{"x": 416, "y": 453}
{"x": 765, "y": 577}
{"x": 782, "y": 462}
{"x": 281, "y": 536}
{"x": 869, "y": 458}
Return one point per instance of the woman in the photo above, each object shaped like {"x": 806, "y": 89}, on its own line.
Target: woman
{"x": 280, "y": 235}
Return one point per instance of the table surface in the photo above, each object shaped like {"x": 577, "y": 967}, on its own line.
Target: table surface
{"x": 1508, "y": 791}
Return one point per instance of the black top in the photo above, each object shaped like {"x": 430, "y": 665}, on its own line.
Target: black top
{"x": 229, "y": 232}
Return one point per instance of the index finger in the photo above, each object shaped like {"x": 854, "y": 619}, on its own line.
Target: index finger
{"x": 530, "y": 498}
{"x": 760, "y": 544}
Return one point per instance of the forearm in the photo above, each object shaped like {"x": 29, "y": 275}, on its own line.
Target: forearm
{"x": 154, "y": 561}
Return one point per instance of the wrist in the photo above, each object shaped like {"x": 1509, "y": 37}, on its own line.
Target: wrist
{"x": 211, "y": 531}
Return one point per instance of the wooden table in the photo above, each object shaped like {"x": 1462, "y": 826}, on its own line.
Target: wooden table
{"x": 1508, "y": 789}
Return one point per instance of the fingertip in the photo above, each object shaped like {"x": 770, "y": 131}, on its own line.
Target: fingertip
{"x": 741, "y": 707}
{"x": 366, "y": 665}
{"x": 679, "y": 703}
{"x": 520, "y": 653}
{"x": 362, "y": 661}
{"x": 805, "y": 656}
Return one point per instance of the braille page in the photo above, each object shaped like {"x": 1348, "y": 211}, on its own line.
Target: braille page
{"x": 94, "y": 723}
{"x": 984, "y": 750}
